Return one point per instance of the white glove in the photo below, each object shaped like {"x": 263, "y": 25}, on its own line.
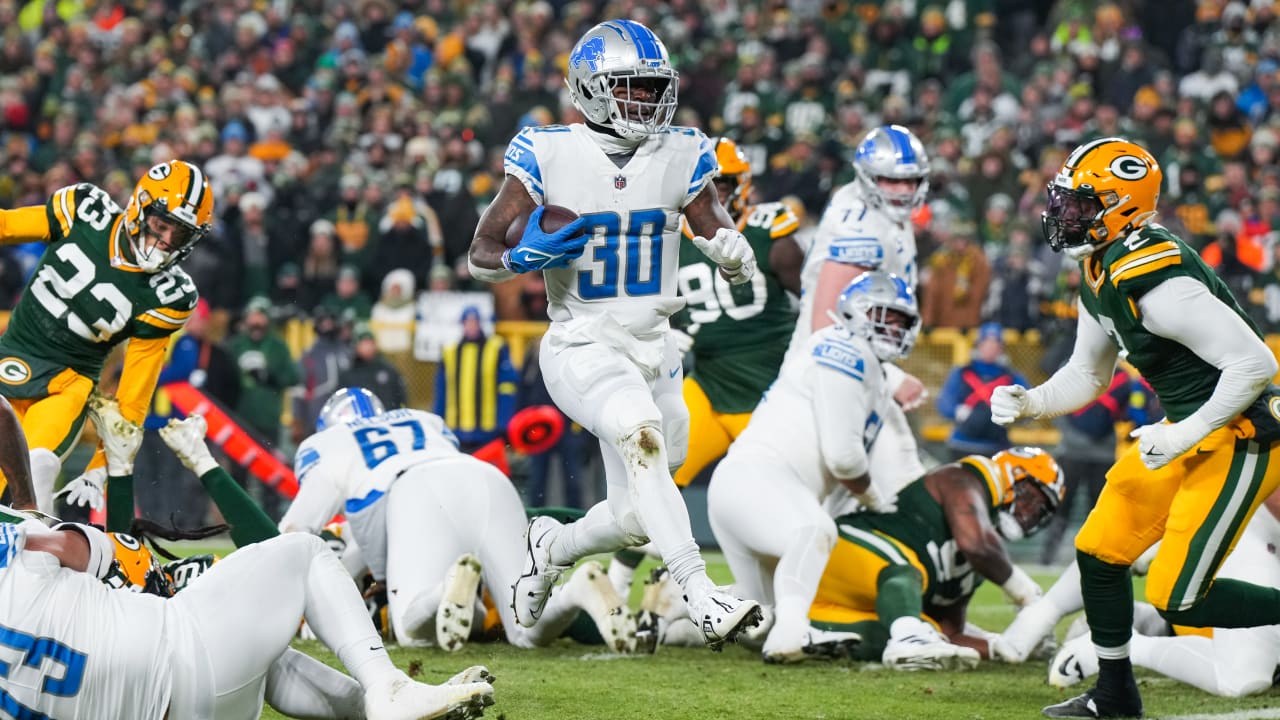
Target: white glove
{"x": 876, "y": 501}
{"x": 186, "y": 439}
{"x": 730, "y": 250}
{"x": 1011, "y": 402}
{"x": 1160, "y": 443}
{"x": 86, "y": 490}
{"x": 120, "y": 438}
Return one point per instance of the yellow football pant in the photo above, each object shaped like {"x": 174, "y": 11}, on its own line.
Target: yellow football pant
{"x": 850, "y": 582}
{"x": 54, "y": 422}
{"x": 1198, "y": 504}
{"x": 710, "y": 432}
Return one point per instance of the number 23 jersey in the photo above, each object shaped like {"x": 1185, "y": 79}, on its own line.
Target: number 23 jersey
{"x": 628, "y": 268}
{"x": 85, "y": 295}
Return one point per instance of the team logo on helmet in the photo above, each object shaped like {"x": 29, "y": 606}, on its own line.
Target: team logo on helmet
{"x": 14, "y": 371}
{"x": 1128, "y": 167}
{"x": 589, "y": 51}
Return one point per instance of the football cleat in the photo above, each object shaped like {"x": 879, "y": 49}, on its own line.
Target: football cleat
{"x": 722, "y": 617}
{"x": 1093, "y": 705}
{"x": 814, "y": 645}
{"x": 533, "y": 588}
{"x": 185, "y": 438}
{"x": 404, "y": 699}
{"x": 1076, "y": 661}
{"x": 120, "y": 438}
{"x": 590, "y": 589}
{"x": 457, "y": 603}
{"x": 473, "y": 674}
{"x": 924, "y": 649}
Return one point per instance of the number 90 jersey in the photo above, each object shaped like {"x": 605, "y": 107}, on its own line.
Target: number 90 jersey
{"x": 350, "y": 467}
{"x": 628, "y": 268}
{"x": 85, "y": 295}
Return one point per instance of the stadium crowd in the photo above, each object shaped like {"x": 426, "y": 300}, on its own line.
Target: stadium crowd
{"x": 348, "y": 140}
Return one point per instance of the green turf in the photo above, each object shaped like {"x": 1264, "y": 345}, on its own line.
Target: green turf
{"x": 576, "y": 681}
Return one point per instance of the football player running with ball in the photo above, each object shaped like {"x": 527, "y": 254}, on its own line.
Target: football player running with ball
{"x": 107, "y": 276}
{"x": 609, "y": 358}
{"x": 1191, "y": 482}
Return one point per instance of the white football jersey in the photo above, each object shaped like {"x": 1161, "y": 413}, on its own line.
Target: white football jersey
{"x": 786, "y": 424}
{"x": 853, "y": 232}
{"x": 71, "y": 647}
{"x": 629, "y": 267}
{"x": 350, "y": 467}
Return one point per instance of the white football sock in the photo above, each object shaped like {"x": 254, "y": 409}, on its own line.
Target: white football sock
{"x": 1065, "y": 593}
{"x": 300, "y": 686}
{"x": 45, "y": 467}
{"x": 595, "y": 532}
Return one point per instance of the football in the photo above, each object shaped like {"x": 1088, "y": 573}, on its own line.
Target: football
{"x": 553, "y": 218}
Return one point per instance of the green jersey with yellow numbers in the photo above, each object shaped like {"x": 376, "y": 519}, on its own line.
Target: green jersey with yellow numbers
{"x": 85, "y": 296}
{"x": 920, "y": 524}
{"x": 740, "y": 332}
{"x": 1114, "y": 283}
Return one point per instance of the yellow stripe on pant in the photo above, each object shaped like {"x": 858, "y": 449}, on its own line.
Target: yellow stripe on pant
{"x": 1197, "y": 505}
{"x": 710, "y": 432}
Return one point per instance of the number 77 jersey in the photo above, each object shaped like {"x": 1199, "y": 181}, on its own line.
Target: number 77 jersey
{"x": 86, "y": 296}
{"x": 628, "y": 267}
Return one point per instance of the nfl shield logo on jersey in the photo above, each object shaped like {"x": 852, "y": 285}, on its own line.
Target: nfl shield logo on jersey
{"x": 620, "y": 182}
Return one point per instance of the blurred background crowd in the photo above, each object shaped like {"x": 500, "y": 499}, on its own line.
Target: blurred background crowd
{"x": 353, "y": 143}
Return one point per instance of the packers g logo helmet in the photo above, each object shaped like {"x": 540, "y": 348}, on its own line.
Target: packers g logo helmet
{"x": 733, "y": 178}
{"x": 135, "y": 568}
{"x": 178, "y": 193}
{"x": 1032, "y": 489}
{"x": 1105, "y": 190}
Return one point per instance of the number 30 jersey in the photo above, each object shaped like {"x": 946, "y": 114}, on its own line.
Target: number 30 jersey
{"x": 628, "y": 268}
{"x": 350, "y": 467}
{"x": 85, "y": 296}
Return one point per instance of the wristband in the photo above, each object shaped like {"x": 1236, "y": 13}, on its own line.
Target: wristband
{"x": 1020, "y": 588}
{"x": 102, "y": 551}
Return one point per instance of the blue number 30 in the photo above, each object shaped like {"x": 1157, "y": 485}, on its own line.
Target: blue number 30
{"x": 36, "y": 651}
{"x": 642, "y": 273}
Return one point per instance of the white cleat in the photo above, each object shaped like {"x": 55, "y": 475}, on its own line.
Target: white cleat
{"x": 1074, "y": 663}
{"x": 722, "y": 617}
{"x": 457, "y": 604}
{"x": 473, "y": 674}
{"x": 1027, "y": 632}
{"x": 531, "y": 591}
{"x": 403, "y": 699}
{"x": 925, "y": 649}
{"x": 813, "y": 644}
{"x": 590, "y": 589}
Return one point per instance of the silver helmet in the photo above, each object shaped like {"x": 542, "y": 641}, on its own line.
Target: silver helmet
{"x": 623, "y": 54}
{"x": 892, "y": 152}
{"x": 865, "y": 306}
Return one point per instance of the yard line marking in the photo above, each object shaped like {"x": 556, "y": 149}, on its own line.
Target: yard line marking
{"x": 1254, "y": 714}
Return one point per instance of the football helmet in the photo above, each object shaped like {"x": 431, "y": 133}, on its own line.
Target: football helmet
{"x": 1105, "y": 190}
{"x": 1031, "y": 491}
{"x": 892, "y": 152}
{"x": 135, "y": 568}
{"x": 623, "y": 55}
{"x": 865, "y": 306}
{"x": 349, "y": 403}
{"x": 178, "y": 193}
{"x": 733, "y": 176}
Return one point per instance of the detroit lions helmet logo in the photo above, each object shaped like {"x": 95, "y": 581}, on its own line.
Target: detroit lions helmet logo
{"x": 589, "y": 51}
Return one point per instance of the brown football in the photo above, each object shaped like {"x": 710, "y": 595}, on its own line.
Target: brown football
{"x": 553, "y": 218}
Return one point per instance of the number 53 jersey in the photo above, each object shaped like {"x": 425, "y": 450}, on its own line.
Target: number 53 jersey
{"x": 86, "y": 296}
{"x": 628, "y": 268}
{"x": 350, "y": 467}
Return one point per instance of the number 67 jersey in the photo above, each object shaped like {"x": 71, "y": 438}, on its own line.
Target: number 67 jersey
{"x": 86, "y": 296}
{"x": 628, "y": 268}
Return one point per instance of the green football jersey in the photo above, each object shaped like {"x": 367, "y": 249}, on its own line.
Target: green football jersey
{"x": 1127, "y": 270}
{"x": 740, "y": 331}
{"x": 85, "y": 296}
{"x": 920, "y": 524}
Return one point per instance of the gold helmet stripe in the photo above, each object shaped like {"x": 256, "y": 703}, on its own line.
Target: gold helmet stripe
{"x": 195, "y": 190}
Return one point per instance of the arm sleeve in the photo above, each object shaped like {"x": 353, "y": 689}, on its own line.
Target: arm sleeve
{"x": 317, "y": 499}
{"x": 521, "y": 163}
{"x": 143, "y": 359}
{"x": 840, "y": 404}
{"x": 24, "y": 225}
{"x": 1183, "y": 310}
{"x": 704, "y": 170}
{"x": 1087, "y": 373}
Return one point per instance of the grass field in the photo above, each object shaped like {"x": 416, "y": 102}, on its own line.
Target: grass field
{"x": 576, "y": 681}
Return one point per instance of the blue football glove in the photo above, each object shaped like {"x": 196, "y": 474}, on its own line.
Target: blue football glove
{"x": 538, "y": 250}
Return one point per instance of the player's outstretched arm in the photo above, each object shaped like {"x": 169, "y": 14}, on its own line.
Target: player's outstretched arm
{"x": 716, "y": 236}
{"x": 484, "y": 259}
{"x": 786, "y": 261}
{"x": 24, "y": 224}
{"x": 15, "y": 459}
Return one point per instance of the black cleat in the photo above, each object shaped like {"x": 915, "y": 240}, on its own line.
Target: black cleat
{"x": 1093, "y": 705}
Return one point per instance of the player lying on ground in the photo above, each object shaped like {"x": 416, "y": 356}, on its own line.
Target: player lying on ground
{"x": 899, "y": 578}
{"x": 810, "y": 434}
{"x": 431, "y": 522}
{"x": 1224, "y": 661}
{"x": 74, "y": 648}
